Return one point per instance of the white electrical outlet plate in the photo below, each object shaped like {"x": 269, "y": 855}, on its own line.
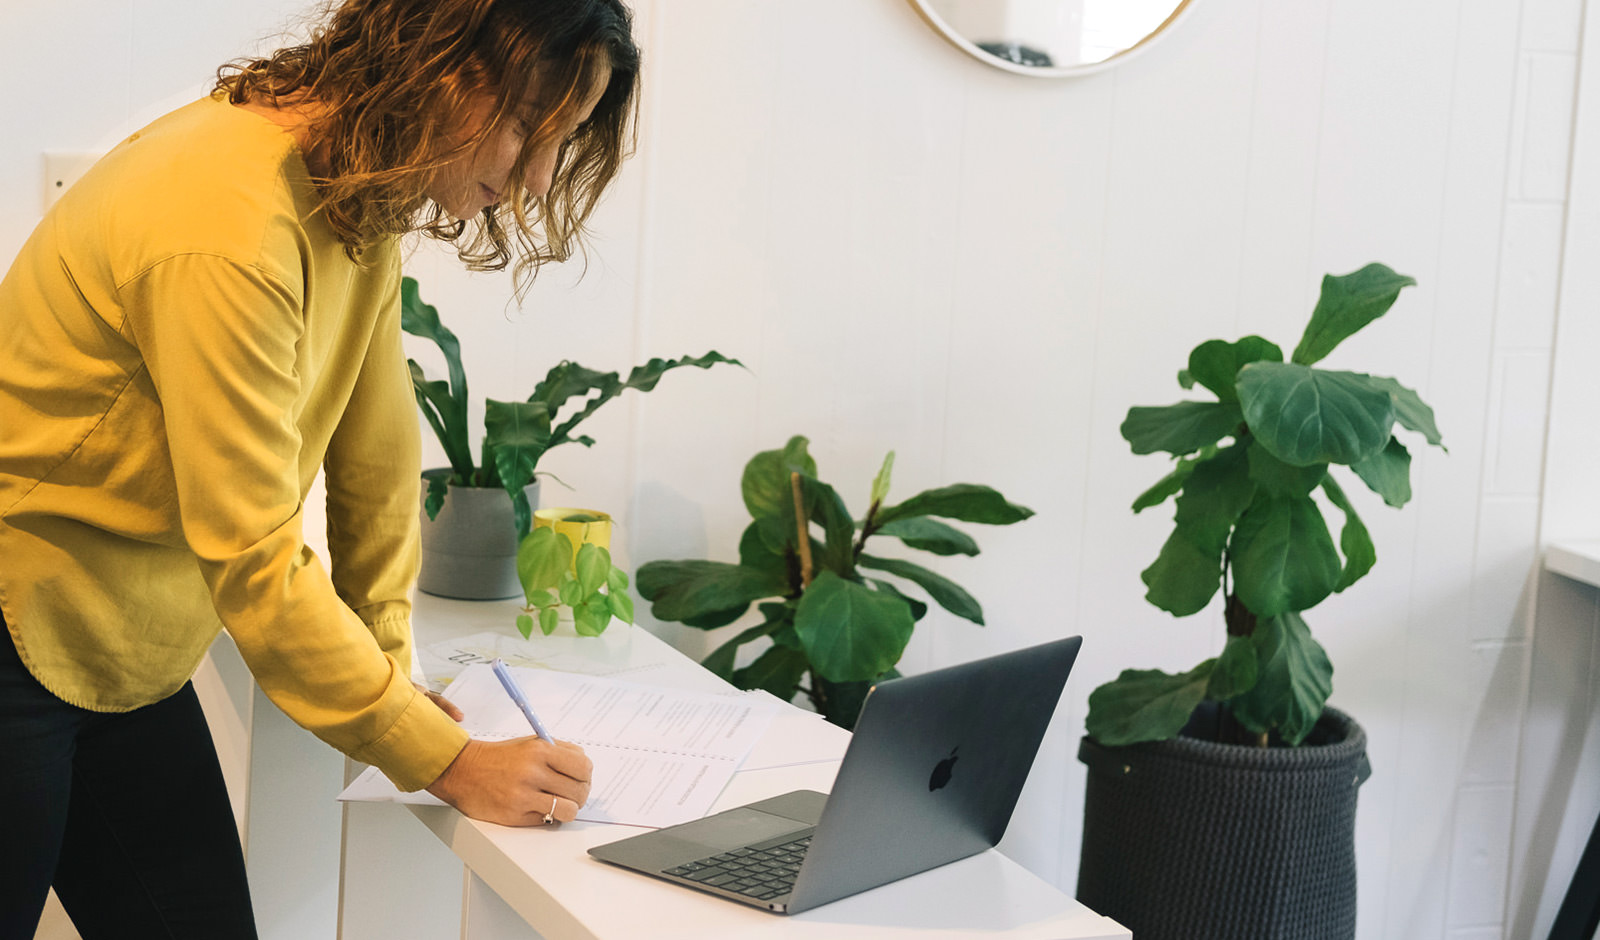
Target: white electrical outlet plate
{"x": 61, "y": 169}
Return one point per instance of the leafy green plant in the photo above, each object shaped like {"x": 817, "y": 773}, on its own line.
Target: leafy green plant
{"x": 830, "y": 624}
{"x": 590, "y": 586}
{"x": 1248, "y": 465}
{"x": 517, "y": 433}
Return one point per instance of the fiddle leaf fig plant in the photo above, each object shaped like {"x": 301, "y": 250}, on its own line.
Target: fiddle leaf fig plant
{"x": 517, "y": 434}
{"x": 1252, "y": 476}
{"x": 834, "y": 625}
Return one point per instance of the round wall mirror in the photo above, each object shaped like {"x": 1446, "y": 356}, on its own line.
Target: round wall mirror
{"x": 1047, "y": 38}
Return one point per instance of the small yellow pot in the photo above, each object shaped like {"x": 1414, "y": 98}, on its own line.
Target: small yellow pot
{"x": 580, "y": 526}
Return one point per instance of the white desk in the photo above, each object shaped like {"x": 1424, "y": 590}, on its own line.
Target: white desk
{"x": 1579, "y": 912}
{"x": 544, "y": 884}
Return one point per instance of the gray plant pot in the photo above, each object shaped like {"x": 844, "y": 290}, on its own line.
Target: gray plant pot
{"x": 1196, "y": 840}
{"x": 469, "y": 551}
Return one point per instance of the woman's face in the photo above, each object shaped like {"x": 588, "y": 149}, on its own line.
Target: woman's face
{"x": 481, "y": 177}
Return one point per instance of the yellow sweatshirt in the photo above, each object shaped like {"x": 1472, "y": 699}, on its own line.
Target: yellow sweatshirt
{"x": 183, "y": 342}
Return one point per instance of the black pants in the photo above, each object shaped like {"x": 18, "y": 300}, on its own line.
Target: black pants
{"x": 125, "y": 814}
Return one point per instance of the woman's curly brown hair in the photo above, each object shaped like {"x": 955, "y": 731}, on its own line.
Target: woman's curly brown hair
{"x": 392, "y": 80}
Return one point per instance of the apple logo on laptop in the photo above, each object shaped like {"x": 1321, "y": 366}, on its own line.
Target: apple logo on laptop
{"x": 942, "y": 770}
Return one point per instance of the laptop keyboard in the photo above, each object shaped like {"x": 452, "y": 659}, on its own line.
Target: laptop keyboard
{"x": 762, "y": 874}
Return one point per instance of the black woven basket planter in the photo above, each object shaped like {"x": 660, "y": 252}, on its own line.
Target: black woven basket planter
{"x": 1191, "y": 840}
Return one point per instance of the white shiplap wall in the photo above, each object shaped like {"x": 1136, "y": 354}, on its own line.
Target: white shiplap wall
{"x": 1557, "y": 799}
{"x": 982, "y": 272}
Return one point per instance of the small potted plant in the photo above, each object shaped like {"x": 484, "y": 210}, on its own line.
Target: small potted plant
{"x": 834, "y": 628}
{"x": 1221, "y": 801}
{"x": 469, "y": 552}
{"x": 564, "y": 564}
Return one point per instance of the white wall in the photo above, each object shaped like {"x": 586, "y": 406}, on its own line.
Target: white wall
{"x": 982, "y": 272}
{"x": 1557, "y": 799}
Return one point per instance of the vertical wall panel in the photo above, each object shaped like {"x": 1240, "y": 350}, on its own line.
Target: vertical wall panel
{"x": 912, "y": 251}
{"x": 1530, "y": 274}
{"x": 1545, "y": 146}
{"x": 1557, "y": 795}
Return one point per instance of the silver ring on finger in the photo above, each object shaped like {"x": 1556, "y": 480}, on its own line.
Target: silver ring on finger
{"x": 550, "y": 817}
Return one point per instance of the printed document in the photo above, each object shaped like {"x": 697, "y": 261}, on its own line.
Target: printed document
{"x": 661, "y": 756}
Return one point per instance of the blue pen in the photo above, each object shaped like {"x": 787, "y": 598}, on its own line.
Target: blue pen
{"x": 515, "y": 691}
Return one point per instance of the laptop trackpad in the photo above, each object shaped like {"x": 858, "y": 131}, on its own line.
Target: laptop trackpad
{"x": 734, "y": 828}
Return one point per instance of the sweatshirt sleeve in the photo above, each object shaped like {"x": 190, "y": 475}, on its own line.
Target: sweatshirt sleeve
{"x": 219, "y": 338}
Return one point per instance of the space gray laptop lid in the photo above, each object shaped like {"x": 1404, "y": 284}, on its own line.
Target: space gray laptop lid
{"x": 931, "y": 775}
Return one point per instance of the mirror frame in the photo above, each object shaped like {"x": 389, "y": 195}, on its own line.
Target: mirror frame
{"x": 925, "y": 11}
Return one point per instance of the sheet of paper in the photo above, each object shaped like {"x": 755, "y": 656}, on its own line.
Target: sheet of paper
{"x": 441, "y": 662}
{"x": 604, "y": 711}
{"x": 797, "y": 737}
{"x": 661, "y": 756}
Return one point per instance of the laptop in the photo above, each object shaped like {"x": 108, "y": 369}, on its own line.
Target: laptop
{"x": 931, "y": 775}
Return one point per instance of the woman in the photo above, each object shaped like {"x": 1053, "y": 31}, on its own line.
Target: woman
{"x": 206, "y": 319}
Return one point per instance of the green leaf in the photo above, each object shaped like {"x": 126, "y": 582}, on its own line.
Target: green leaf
{"x": 1348, "y": 303}
{"x": 684, "y": 590}
{"x": 765, "y": 539}
{"x": 1412, "y": 413}
{"x": 622, "y": 606}
{"x": 1282, "y": 556}
{"x": 1172, "y": 482}
{"x": 521, "y": 511}
{"x": 422, "y": 319}
{"x": 571, "y": 593}
{"x": 592, "y": 566}
{"x": 1236, "y": 670}
{"x": 918, "y": 608}
{"x": 778, "y": 670}
{"x": 518, "y": 434}
{"x": 930, "y": 535}
{"x": 1217, "y": 491}
{"x": 1295, "y": 681}
{"x": 966, "y": 502}
{"x": 787, "y": 635}
{"x": 549, "y": 619}
{"x": 617, "y": 581}
{"x": 1280, "y": 479}
{"x": 880, "y": 483}
{"x": 840, "y": 702}
{"x": 438, "y": 407}
{"x": 721, "y": 660}
{"x": 525, "y": 625}
{"x": 644, "y": 378}
{"x": 563, "y": 383}
{"x": 850, "y": 632}
{"x": 542, "y": 599}
{"x": 1388, "y": 473}
{"x": 1215, "y": 364}
{"x": 950, "y": 595}
{"x": 592, "y": 617}
{"x": 438, "y": 489}
{"x": 715, "y": 618}
{"x": 839, "y": 530}
{"x": 1145, "y": 705}
{"x": 567, "y": 380}
{"x": 1354, "y": 541}
{"x": 1188, "y": 572}
{"x": 543, "y": 556}
{"x": 1183, "y": 579}
{"x": 1180, "y": 429}
{"x": 450, "y": 422}
{"x": 765, "y": 485}
{"x": 1306, "y": 416}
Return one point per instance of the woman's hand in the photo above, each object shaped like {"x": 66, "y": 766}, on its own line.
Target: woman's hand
{"x": 517, "y": 782}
